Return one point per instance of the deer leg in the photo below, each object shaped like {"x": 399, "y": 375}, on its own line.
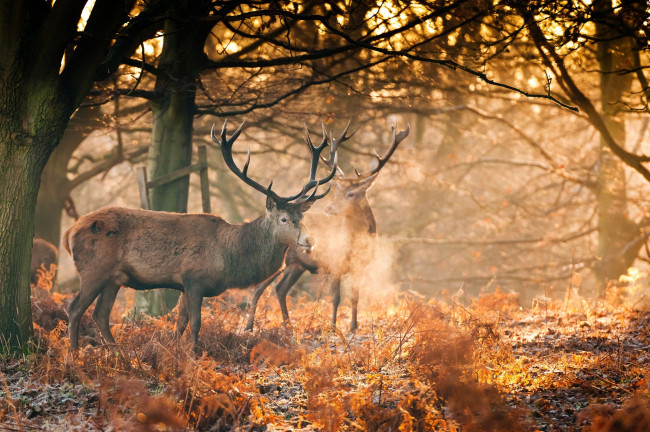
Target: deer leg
{"x": 182, "y": 319}
{"x": 291, "y": 275}
{"x": 355, "y": 302}
{"x": 193, "y": 305}
{"x": 102, "y": 311}
{"x": 259, "y": 290}
{"x": 87, "y": 295}
{"x": 336, "y": 298}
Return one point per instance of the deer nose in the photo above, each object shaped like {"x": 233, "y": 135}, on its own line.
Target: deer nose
{"x": 306, "y": 241}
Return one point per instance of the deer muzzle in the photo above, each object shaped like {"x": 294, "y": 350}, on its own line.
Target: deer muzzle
{"x": 305, "y": 241}
{"x": 331, "y": 210}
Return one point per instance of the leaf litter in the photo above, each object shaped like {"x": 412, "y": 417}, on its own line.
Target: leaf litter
{"x": 413, "y": 365}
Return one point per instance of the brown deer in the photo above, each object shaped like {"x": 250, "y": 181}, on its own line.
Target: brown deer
{"x": 346, "y": 245}
{"x": 44, "y": 254}
{"x": 201, "y": 255}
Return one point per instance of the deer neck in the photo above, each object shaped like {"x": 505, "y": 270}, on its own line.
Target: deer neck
{"x": 362, "y": 220}
{"x": 258, "y": 253}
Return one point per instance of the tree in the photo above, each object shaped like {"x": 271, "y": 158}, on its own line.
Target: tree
{"x": 60, "y": 178}
{"x": 618, "y": 40}
{"x": 173, "y": 108}
{"x": 38, "y": 96}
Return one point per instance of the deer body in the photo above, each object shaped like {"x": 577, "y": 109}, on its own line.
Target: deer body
{"x": 148, "y": 249}
{"x": 346, "y": 242}
{"x": 201, "y": 255}
{"x": 346, "y": 250}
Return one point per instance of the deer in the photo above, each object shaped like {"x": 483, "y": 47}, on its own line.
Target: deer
{"x": 201, "y": 255}
{"x": 44, "y": 254}
{"x": 347, "y": 244}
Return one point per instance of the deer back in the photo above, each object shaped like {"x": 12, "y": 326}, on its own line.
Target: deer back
{"x": 44, "y": 254}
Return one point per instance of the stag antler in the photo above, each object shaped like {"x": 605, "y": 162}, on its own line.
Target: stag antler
{"x": 381, "y": 161}
{"x": 335, "y": 146}
{"x": 303, "y": 196}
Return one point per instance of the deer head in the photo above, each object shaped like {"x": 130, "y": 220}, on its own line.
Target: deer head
{"x": 284, "y": 214}
{"x": 350, "y": 193}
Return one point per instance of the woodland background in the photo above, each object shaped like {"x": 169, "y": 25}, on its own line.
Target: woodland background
{"x": 525, "y": 171}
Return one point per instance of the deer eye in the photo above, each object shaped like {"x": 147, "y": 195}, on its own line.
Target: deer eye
{"x": 350, "y": 194}
{"x": 284, "y": 220}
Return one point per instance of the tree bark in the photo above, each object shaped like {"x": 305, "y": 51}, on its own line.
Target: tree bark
{"x": 19, "y": 177}
{"x": 37, "y": 98}
{"x": 32, "y": 119}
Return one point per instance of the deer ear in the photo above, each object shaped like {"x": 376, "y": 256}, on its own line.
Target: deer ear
{"x": 270, "y": 204}
{"x": 306, "y": 206}
{"x": 365, "y": 184}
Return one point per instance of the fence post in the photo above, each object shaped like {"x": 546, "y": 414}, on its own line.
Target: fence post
{"x": 205, "y": 181}
{"x": 144, "y": 190}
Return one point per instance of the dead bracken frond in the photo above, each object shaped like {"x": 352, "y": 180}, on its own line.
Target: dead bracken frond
{"x": 44, "y": 278}
{"x": 413, "y": 365}
{"x": 633, "y": 416}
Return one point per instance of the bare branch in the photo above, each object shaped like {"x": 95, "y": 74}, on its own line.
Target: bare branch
{"x": 554, "y": 62}
{"x": 105, "y": 165}
{"x": 471, "y": 242}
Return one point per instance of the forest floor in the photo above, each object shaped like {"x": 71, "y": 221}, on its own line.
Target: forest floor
{"x": 414, "y": 364}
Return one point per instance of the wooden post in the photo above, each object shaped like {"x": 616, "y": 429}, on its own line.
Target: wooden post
{"x": 205, "y": 181}
{"x": 201, "y": 167}
{"x": 144, "y": 188}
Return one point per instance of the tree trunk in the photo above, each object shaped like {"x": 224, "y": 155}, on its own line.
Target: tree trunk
{"x": 171, "y": 142}
{"x": 38, "y": 95}
{"x": 170, "y": 149}
{"x": 32, "y": 120}
{"x": 19, "y": 177}
{"x": 619, "y": 238}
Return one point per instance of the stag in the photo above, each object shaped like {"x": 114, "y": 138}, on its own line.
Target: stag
{"x": 347, "y": 244}
{"x": 201, "y": 255}
{"x": 44, "y": 255}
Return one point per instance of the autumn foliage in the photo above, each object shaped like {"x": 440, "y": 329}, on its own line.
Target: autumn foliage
{"x": 414, "y": 365}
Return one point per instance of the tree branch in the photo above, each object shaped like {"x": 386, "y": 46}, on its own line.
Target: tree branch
{"x": 553, "y": 61}
{"x": 107, "y": 164}
{"x": 292, "y": 92}
{"x": 79, "y": 72}
{"x": 471, "y": 242}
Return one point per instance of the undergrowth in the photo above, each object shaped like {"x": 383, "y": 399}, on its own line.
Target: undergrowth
{"x": 414, "y": 365}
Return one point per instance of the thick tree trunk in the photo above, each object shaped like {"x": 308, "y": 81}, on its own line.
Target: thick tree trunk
{"x": 170, "y": 149}
{"x": 19, "y": 177}
{"x": 38, "y": 95}
{"x": 619, "y": 238}
{"x": 32, "y": 119}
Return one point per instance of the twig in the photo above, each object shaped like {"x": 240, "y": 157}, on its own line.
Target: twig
{"x": 610, "y": 382}
{"x": 241, "y": 411}
{"x": 570, "y": 286}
